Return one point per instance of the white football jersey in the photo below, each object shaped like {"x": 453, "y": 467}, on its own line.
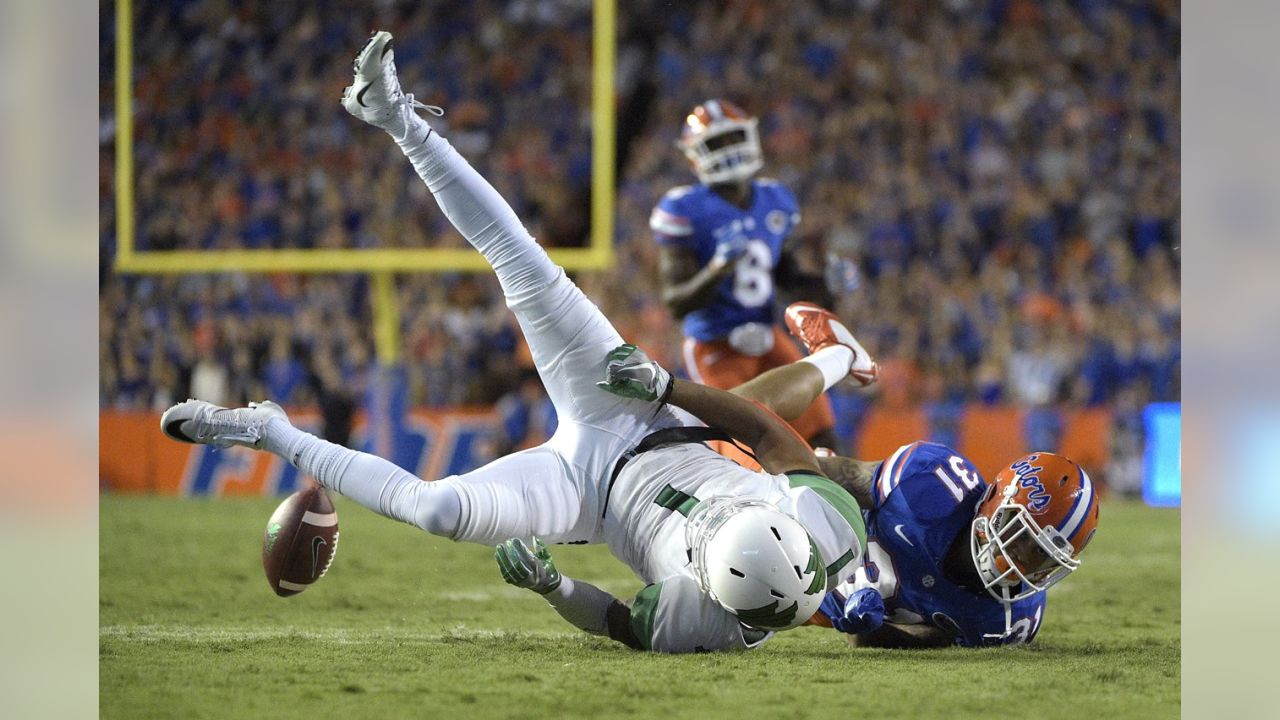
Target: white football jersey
{"x": 645, "y": 522}
{"x": 675, "y": 616}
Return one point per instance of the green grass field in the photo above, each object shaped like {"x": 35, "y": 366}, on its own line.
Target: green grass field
{"x": 406, "y": 625}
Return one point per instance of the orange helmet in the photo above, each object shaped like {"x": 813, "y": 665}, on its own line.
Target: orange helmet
{"x": 722, "y": 142}
{"x": 1034, "y": 521}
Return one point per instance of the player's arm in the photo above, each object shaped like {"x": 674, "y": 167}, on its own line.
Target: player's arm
{"x": 853, "y": 475}
{"x": 890, "y": 635}
{"x": 687, "y": 285}
{"x": 630, "y": 373}
{"x": 777, "y": 447}
{"x": 580, "y": 603}
{"x": 787, "y": 391}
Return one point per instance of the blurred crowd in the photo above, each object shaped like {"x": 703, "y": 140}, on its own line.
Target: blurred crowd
{"x": 1005, "y": 174}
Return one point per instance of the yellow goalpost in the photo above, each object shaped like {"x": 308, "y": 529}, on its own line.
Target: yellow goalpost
{"x": 380, "y": 263}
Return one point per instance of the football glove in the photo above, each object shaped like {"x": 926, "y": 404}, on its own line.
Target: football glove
{"x": 729, "y": 250}
{"x": 534, "y": 570}
{"x": 841, "y": 275}
{"x": 862, "y": 612}
{"x": 631, "y": 373}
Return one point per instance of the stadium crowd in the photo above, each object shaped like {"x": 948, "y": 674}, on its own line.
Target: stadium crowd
{"x": 1005, "y": 173}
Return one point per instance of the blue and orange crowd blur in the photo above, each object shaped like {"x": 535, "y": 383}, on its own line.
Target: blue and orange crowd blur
{"x": 1004, "y": 173}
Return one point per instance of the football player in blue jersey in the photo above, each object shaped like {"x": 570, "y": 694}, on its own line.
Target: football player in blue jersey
{"x": 950, "y": 558}
{"x": 723, "y": 250}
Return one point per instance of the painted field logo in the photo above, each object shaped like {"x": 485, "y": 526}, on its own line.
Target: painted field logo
{"x": 273, "y": 533}
{"x": 1029, "y": 477}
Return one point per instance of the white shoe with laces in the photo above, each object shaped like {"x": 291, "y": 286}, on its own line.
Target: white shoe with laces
{"x": 197, "y": 421}
{"x": 374, "y": 95}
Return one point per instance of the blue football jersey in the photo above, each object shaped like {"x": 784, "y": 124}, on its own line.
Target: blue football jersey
{"x": 696, "y": 218}
{"x": 924, "y": 499}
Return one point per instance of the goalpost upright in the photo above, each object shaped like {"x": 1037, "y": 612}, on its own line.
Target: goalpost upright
{"x": 380, "y": 263}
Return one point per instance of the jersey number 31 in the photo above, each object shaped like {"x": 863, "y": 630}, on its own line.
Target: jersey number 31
{"x": 959, "y": 475}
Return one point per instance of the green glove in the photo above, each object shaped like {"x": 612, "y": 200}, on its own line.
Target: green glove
{"x": 631, "y": 374}
{"x": 522, "y": 568}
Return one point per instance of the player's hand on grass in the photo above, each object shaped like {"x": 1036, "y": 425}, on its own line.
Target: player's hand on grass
{"x": 862, "y": 612}
{"x": 531, "y": 569}
{"x": 631, "y": 373}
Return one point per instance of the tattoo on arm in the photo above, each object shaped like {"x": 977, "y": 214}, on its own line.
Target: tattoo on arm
{"x": 852, "y": 475}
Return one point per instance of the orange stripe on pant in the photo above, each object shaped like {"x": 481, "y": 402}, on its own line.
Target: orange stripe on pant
{"x": 718, "y": 365}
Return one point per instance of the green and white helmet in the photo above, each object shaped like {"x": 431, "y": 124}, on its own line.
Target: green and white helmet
{"x": 756, "y": 561}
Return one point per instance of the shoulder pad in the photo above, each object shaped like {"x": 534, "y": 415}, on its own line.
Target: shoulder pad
{"x": 668, "y": 217}
{"x": 678, "y": 192}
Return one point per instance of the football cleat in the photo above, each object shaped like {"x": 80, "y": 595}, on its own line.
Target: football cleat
{"x": 197, "y": 421}
{"x": 374, "y": 95}
{"x": 818, "y": 328}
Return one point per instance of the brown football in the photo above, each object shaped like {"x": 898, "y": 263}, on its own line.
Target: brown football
{"x": 300, "y": 541}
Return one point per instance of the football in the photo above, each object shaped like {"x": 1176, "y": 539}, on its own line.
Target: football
{"x": 300, "y": 541}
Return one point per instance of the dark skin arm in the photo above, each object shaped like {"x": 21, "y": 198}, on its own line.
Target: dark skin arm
{"x": 788, "y": 390}
{"x": 686, "y": 285}
{"x": 618, "y": 620}
{"x": 890, "y": 635}
{"x": 777, "y": 447}
{"x": 852, "y": 475}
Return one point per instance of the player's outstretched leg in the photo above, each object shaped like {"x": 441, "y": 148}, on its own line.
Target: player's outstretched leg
{"x": 567, "y": 334}
{"x": 378, "y": 484}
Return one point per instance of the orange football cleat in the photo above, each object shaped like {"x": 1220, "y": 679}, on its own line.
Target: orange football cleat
{"x": 817, "y": 328}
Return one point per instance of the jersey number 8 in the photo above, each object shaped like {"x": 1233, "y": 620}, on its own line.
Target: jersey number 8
{"x": 753, "y": 275}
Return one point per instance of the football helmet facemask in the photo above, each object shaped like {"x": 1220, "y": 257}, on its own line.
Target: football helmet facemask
{"x": 722, "y": 143}
{"x": 757, "y": 562}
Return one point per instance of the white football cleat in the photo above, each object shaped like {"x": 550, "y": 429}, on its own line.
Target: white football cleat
{"x": 818, "y": 327}
{"x": 197, "y": 421}
{"x": 374, "y": 95}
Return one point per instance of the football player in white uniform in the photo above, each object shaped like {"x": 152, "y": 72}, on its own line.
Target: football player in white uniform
{"x": 730, "y": 555}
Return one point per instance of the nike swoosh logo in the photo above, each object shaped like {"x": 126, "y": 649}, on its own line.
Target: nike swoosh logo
{"x": 896, "y": 528}
{"x": 173, "y": 429}
{"x": 355, "y": 64}
{"x": 360, "y": 95}
{"x": 316, "y": 543}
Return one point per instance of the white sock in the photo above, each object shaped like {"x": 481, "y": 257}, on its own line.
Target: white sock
{"x": 833, "y": 362}
{"x": 378, "y": 484}
{"x": 582, "y": 604}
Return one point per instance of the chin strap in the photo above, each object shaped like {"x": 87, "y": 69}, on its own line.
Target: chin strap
{"x": 1008, "y": 616}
